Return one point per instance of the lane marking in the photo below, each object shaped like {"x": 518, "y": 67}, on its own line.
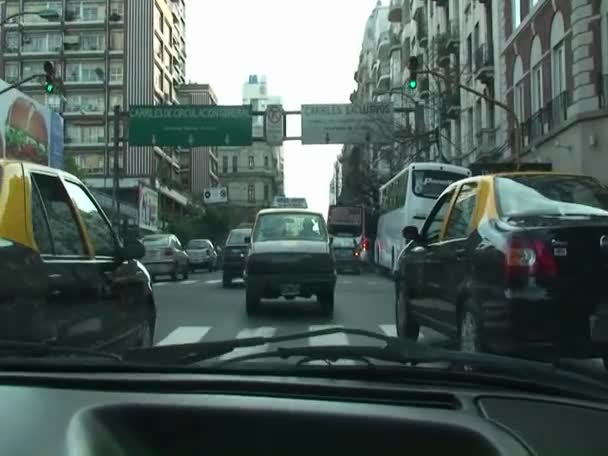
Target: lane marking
{"x": 185, "y": 335}
{"x": 329, "y": 339}
{"x": 263, "y": 331}
{"x": 389, "y": 330}
{"x": 212, "y": 281}
{"x": 160, "y": 284}
{"x": 188, "y": 282}
{"x": 346, "y": 282}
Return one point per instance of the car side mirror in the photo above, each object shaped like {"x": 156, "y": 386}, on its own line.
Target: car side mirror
{"x": 247, "y": 239}
{"x": 134, "y": 250}
{"x": 410, "y": 233}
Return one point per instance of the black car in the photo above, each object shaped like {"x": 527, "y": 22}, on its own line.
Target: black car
{"x": 511, "y": 264}
{"x": 235, "y": 252}
{"x": 290, "y": 257}
{"x": 346, "y": 254}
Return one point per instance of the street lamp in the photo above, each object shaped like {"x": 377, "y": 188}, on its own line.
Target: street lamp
{"x": 48, "y": 14}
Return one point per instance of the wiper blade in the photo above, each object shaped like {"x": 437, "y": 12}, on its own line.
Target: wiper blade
{"x": 42, "y": 349}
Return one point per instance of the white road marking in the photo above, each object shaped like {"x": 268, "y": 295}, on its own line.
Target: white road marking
{"x": 160, "y": 284}
{"x": 263, "y": 331}
{"x": 346, "y": 282}
{"x": 212, "y": 281}
{"x": 389, "y": 330}
{"x": 185, "y": 335}
{"x": 188, "y": 282}
{"x": 329, "y": 339}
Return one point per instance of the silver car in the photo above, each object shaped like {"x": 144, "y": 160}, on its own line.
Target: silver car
{"x": 165, "y": 256}
{"x": 202, "y": 254}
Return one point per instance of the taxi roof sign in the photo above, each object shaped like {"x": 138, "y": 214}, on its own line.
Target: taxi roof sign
{"x": 283, "y": 201}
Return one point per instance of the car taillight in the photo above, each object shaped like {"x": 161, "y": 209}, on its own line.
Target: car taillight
{"x": 364, "y": 244}
{"x": 168, "y": 251}
{"x": 529, "y": 258}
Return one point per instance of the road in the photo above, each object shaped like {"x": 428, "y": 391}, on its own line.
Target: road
{"x": 200, "y": 309}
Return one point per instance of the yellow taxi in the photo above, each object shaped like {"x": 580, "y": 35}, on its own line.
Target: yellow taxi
{"x": 65, "y": 277}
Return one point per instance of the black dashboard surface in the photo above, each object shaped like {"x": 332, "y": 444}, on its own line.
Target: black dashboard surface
{"x": 114, "y": 415}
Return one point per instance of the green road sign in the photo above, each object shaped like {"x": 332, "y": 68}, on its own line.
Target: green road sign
{"x": 189, "y": 125}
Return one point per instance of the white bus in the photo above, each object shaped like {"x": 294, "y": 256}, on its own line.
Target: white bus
{"x": 407, "y": 199}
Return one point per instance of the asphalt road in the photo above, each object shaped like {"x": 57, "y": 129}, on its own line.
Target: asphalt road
{"x": 200, "y": 309}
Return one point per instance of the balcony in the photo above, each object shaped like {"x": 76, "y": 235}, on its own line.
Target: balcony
{"x": 484, "y": 63}
{"x": 486, "y": 141}
{"x": 384, "y": 45}
{"x": 441, "y": 50}
{"x": 453, "y": 38}
{"x": 395, "y": 11}
{"x": 384, "y": 79}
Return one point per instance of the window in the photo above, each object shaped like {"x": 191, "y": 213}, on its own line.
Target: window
{"x": 266, "y": 164}
{"x": 117, "y": 40}
{"x": 537, "y": 88}
{"x": 224, "y": 164}
{"x": 559, "y": 69}
{"x": 462, "y": 213}
{"x": 116, "y": 72}
{"x": 251, "y": 162}
{"x": 519, "y": 100}
{"x": 11, "y": 71}
{"x": 432, "y": 226}
{"x": 115, "y": 100}
{"x": 40, "y": 224}
{"x": 235, "y": 161}
{"x": 516, "y": 9}
{"x": 251, "y": 193}
{"x": 12, "y": 41}
{"x": 62, "y": 223}
{"x": 266, "y": 192}
{"x": 97, "y": 227}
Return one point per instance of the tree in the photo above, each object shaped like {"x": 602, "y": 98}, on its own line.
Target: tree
{"x": 213, "y": 224}
{"x": 72, "y": 167}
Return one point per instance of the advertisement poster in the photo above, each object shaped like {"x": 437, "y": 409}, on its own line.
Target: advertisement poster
{"x": 29, "y": 130}
{"x": 148, "y": 208}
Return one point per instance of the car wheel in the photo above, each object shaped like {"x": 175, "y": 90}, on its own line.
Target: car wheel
{"x": 185, "y": 275}
{"x": 469, "y": 338}
{"x": 252, "y": 302}
{"x": 326, "y": 300}
{"x": 407, "y": 326}
{"x": 174, "y": 275}
{"x": 226, "y": 281}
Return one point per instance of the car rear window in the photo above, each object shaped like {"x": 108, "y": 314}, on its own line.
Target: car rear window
{"x": 550, "y": 194}
{"x": 238, "y": 236}
{"x": 199, "y": 244}
{"x": 290, "y": 226}
{"x": 344, "y": 242}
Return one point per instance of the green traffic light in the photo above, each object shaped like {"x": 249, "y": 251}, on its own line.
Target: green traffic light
{"x": 413, "y": 84}
{"x": 49, "y": 88}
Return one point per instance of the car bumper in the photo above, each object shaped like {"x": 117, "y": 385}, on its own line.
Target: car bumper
{"x": 233, "y": 267}
{"x": 200, "y": 261}
{"x": 270, "y": 285}
{"x": 552, "y": 327}
{"x": 160, "y": 268}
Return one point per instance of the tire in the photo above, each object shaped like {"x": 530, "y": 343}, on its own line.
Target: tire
{"x": 407, "y": 326}
{"x": 469, "y": 337}
{"x": 326, "y": 300}
{"x": 185, "y": 274}
{"x": 174, "y": 275}
{"x": 226, "y": 281}
{"x": 252, "y": 302}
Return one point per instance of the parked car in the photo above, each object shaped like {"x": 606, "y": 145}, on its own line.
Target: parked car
{"x": 289, "y": 257}
{"x": 65, "y": 276}
{"x": 201, "y": 255}
{"x": 347, "y": 254}
{"x": 511, "y": 263}
{"x": 235, "y": 253}
{"x": 165, "y": 256}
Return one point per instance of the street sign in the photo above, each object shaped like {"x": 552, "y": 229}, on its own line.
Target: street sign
{"x": 148, "y": 208}
{"x": 274, "y": 125}
{"x": 371, "y": 123}
{"x": 215, "y": 195}
{"x": 189, "y": 125}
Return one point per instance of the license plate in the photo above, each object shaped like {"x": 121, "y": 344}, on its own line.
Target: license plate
{"x": 598, "y": 328}
{"x": 290, "y": 290}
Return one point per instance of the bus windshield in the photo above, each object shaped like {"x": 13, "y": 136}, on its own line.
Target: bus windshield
{"x": 431, "y": 183}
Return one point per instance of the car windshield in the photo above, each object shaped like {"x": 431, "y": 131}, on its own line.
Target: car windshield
{"x": 199, "y": 244}
{"x": 290, "y": 226}
{"x": 184, "y": 171}
{"x": 551, "y": 195}
{"x": 238, "y": 236}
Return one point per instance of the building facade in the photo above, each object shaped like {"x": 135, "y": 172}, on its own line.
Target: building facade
{"x": 253, "y": 174}
{"x": 198, "y": 165}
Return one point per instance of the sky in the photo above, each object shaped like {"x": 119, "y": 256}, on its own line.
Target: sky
{"x": 309, "y": 51}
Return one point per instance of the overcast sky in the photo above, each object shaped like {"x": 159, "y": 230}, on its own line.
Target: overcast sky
{"x": 309, "y": 50}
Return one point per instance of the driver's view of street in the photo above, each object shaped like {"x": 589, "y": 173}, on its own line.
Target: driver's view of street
{"x": 372, "y": 193}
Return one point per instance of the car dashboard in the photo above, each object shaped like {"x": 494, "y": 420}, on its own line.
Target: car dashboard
{"x": 175, "y": 414}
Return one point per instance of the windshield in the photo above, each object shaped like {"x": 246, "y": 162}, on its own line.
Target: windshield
{"x": 284, "y": 123}
{"x": 238, "y": 236}
{"x": 289, "y": 226}
{"x": 551, "y": 195}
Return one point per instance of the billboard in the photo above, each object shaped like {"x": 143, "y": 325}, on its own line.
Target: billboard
{"x": 29, "y": 130}
{"x": 148, "y": 208}
{"x": 214, "y": 195}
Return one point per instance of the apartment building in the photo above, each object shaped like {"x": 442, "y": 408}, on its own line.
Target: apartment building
{"x": 108, "y": 53}
{"x": 198, "y": 165}
{"x": 253, "y": 174}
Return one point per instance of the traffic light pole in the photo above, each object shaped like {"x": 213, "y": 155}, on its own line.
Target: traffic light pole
{"x": 20, "y": 83}
{"x": 116, "y": 178}
{"x": 516, "y": 129}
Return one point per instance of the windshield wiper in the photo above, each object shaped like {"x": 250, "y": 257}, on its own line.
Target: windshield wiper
{"x": 18, "y": 349}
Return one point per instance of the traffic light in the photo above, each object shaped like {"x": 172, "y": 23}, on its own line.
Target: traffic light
{"x": 50, "y": 79}
{"x": 413, "y": 67}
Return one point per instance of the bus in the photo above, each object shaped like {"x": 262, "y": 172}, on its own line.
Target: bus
{"x": 406, "y": 199}
{"x": 359, "y": 222}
